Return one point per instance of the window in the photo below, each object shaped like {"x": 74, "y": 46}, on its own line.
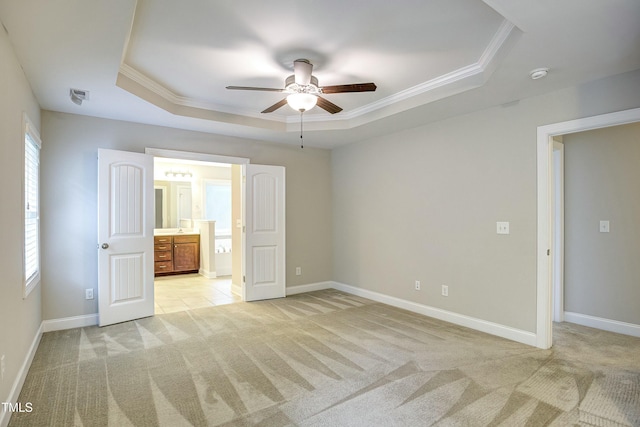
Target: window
{"x": 218, "y": 204}
{"x": 31, "y": 205}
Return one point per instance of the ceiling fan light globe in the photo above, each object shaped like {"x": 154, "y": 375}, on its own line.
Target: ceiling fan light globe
{"x": 302, "y": 101}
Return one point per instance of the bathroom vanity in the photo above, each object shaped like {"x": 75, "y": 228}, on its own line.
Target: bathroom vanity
{"x": 176, "y": 253}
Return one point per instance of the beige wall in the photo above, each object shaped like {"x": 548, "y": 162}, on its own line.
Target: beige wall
{"x": 422, "y": 204}
{"x": 19, "y": 318}
{"x": 69, "y": 184}
{"x": 602, "y": 182}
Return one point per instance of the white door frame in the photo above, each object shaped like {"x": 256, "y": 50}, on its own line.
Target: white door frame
{"x": 545, "y": 175}
{"x": 557, "y": 250}
{"x": 204, "y": 157}
{"x": 191, "y": 155}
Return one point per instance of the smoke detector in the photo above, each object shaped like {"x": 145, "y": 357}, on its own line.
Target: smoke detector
{"x": 78, "y": 95}
{"x": 538, "y": 73}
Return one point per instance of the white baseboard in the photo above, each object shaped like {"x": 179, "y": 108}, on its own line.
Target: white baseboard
{"x": 299, "y": 289}
{"x": 448, "y": 316}
{"x": 70, "y": 322}
{"x": 292, "y": 290}
{"x": 604, "y": 324}
{"x": 208, "y": 274}
{"x": 503, "y": 331}
{"x": 5, "y": 416}
{"x": 236, "y": 289}
{"x": 220, "y": 272}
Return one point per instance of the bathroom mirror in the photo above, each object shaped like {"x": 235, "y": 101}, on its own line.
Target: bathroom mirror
{"x": 172, "y": 204}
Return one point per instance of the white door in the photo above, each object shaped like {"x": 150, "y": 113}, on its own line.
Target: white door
{"x": 264, "y": 217}
{"x": 125, "y": 236}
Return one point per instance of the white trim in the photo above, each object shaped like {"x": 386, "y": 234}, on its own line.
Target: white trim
{"x": 604, "y": 324}
{"x": 300, "y": 289}
{"x": 456, "y": 76}
{"x": 544, "y": 155}
{"x": 5, "y": 417}
{"x": 178, "y": 100}
{"x": 208, "y": 274}
{"x": 557, "y": 251}
{"x": 190, "y": 155}
{"x": 70, "y": 322}
{"x": 236, "y": 289}
{"x": 503, "y": 331}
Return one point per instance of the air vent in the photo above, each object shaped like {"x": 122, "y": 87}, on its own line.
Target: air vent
{"x": 78, "y": 95}
{"x": 82, "y": 94}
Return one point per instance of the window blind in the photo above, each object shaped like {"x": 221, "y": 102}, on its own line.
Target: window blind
{"x": 31, "y": 208}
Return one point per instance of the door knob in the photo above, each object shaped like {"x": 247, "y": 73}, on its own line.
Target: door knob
{"x": 105, "y": 246}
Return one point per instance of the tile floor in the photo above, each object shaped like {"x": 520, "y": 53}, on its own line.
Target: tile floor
{"x": 188, "y": 291}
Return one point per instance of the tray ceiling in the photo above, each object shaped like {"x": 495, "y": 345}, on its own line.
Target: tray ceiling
{"x": 166, "y": 62}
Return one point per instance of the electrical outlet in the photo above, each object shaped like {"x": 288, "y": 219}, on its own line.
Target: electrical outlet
{"x": 88, "y": 293}
{"x": 298, "y": 271}
{"x": 445, "y": 291}
{"x": 502, "y": 227}
{"x": 2, "y": 366}
{"x": 417, "y": 285}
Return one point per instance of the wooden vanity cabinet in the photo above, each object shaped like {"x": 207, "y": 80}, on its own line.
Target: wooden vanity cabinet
{"x": 186, "y": 253}
{"x": 176, "y": 254}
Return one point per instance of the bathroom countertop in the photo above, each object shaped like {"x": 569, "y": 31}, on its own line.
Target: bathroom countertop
{"x": 173, "y": 232}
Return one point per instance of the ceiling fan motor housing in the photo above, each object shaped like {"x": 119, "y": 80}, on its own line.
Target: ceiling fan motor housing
{"x": 303, "y": 86}
{"x": 302, "y": 69}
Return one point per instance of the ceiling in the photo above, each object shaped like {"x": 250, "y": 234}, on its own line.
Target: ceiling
{"x": 167, "y": 63}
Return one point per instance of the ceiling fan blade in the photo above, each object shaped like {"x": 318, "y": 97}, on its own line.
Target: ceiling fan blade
{"x": 265, "y": 89}
{"x": 328, "y": 105}
{"x": 302, "y": 70}
{"x": 275, "y": 106}
{"x": 355, "y": 87}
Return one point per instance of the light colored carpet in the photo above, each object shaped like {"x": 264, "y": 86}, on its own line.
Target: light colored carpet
{"x": 326, "y": 359}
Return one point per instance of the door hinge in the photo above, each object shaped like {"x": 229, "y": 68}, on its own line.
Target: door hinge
{"x": 244, "y": 229}
{"x": 548, "y": 252}
{"x": 244, "y": 279}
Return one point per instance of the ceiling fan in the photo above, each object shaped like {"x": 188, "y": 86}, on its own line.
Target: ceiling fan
{"x": 304, "y": 91}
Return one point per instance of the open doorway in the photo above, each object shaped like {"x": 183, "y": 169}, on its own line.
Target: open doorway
{"x": 126, "y": 220}
{"x": 197, "y": 208}
{"x": 548, "y": 230}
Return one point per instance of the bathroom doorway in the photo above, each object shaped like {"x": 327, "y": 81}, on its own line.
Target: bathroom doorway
{"x": 195, "y": 198}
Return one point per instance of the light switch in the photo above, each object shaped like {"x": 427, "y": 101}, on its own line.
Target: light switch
{"x": 604, "y": 226}
{"x": 502, "y": 227}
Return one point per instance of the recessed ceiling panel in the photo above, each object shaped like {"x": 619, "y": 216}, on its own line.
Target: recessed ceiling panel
{"x": 195, "y": 49}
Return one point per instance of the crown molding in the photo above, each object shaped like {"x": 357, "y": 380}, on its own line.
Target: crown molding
{"x": 449, "y": 79}
{"x": 456, "y": 81}
{"x": 183, "y": 101}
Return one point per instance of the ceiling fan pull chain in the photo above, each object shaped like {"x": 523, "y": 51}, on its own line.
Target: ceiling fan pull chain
{"x": 301, "y": 139}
